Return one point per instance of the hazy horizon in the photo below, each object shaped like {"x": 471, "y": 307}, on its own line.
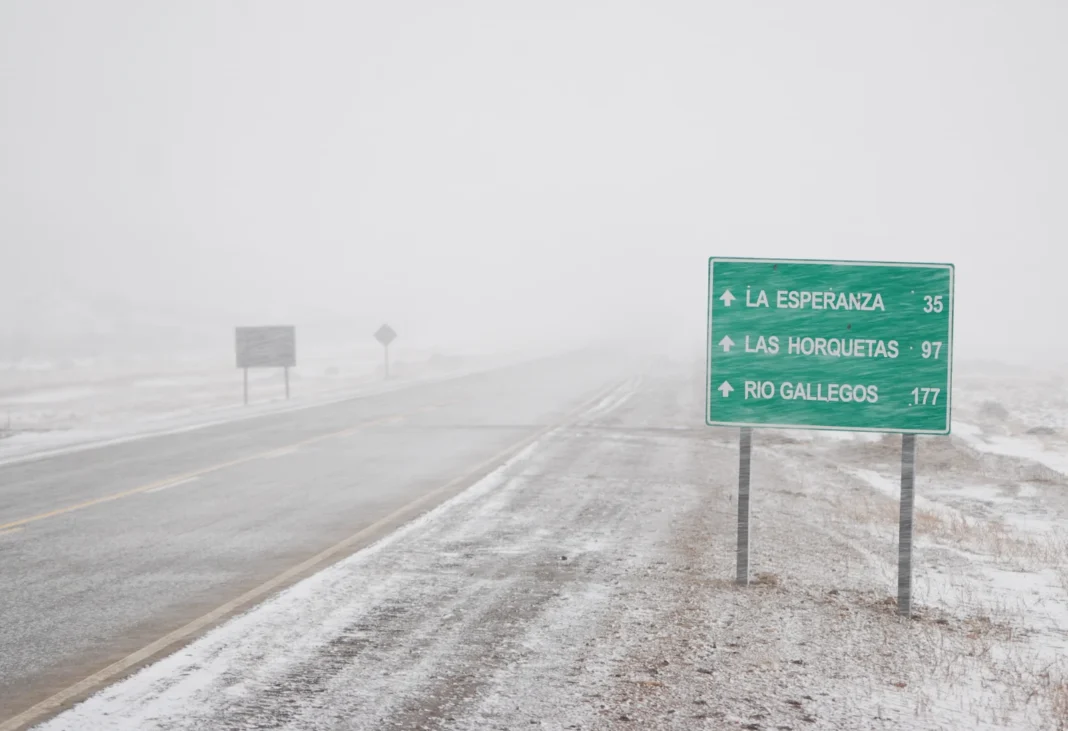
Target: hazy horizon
{"x": 502, "y": 175}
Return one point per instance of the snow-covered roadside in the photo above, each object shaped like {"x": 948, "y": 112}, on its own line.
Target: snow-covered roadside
{"x": 60, "y": 417}
{"x": 587, "y": 585}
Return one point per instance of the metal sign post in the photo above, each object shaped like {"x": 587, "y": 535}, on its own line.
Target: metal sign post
{"x": 745, "y": 446}
{"x": 843, "y": 345}
{"x": 386, "y": 335}
{"x": 246, "y": 386}
{"x": 904, "y": 541}
{"x": 286, "y": 370}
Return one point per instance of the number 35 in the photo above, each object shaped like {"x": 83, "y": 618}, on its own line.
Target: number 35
{"x": 932, "y": 304}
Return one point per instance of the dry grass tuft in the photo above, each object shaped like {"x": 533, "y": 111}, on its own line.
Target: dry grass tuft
{"x": 1058, "y": 700}
{"x": 766, "y": 578}
{"x": 994, "y": 538}
{"x": 867, "y": 510}
{"x": 926, "y": 522}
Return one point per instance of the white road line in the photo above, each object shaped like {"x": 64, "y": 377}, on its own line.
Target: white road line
{"x": 281, "y": 452}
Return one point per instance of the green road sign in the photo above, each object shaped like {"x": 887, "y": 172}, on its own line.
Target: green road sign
{"x": 858, "y": 346}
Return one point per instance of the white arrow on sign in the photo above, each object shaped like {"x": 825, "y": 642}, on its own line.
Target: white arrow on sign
{"x": 727, "y": 298}
{"x": 725, "y": 388}
{"x": 726, "y": 343}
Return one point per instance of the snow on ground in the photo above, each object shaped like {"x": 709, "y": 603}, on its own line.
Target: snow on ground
{"x": 587, "y": 584}
{"x": 43, "y": 408}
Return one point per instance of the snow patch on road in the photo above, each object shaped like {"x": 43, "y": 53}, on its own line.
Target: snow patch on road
{"x": 615, "y": 399}
{"x": 48, "y": 396}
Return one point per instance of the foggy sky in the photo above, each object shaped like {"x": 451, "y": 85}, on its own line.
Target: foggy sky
{"x": 525, "y": 172}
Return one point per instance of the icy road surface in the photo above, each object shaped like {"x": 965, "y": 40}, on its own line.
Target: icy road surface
{"x": 106, "y": 550}
{"x": 585, "y": 584}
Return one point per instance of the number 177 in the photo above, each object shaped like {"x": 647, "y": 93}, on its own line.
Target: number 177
{"x": 925, "y": 393}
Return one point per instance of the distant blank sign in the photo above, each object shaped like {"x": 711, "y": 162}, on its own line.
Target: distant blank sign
{"x": 267, "y": 347}
{"x": 385, "y": 335}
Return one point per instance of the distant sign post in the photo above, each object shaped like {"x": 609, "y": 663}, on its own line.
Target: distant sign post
{"x": 386, "y": 335}
{"x": 840, "y": 345}
{"x": 266, "y": 347}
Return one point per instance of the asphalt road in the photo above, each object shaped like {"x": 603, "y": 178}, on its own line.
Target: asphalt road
{"x": 514, "y": 605}
{"x": 105, "y": 551}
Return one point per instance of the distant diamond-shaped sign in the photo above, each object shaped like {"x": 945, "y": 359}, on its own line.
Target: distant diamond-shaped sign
{"x": 385, "y": 335}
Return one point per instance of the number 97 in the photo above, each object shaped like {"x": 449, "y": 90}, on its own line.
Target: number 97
{"x": 931, "y": 349}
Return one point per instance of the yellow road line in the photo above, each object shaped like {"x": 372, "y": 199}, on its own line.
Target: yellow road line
{"x": 169, "y": 485}
{"x": 408, "y": 511}
{"x": 188, "y": 475}
{"x": 12, "y": 530}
